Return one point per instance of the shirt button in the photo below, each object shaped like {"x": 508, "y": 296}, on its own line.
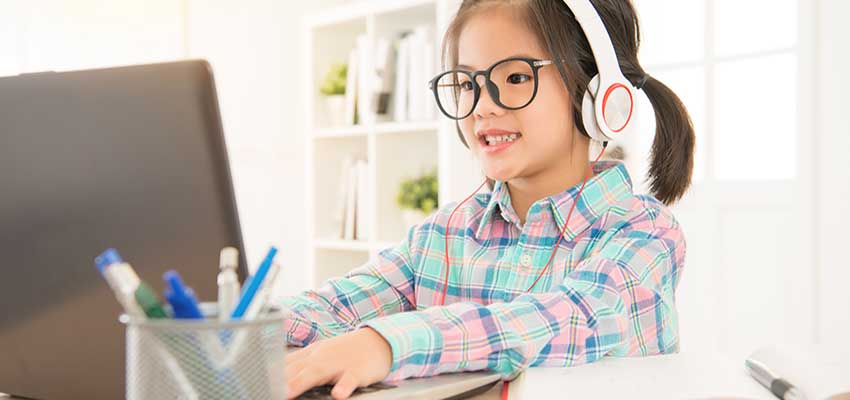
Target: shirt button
{"x": 525, "y": 260}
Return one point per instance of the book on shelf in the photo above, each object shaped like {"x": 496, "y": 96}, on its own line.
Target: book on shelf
{"x": 421, "y": 69}
{"x": 365, "y": 79}
{"x": 351, "y": 88}
{"x": 402, "y": 75}
{"x": 383, "y": 79}
{"x": 349, "y": 222}
{"x": 352, "y": 214}
{"x": 361, "y": 219}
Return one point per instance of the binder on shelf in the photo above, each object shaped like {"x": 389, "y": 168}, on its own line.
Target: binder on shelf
{"x": 365, "y": 79}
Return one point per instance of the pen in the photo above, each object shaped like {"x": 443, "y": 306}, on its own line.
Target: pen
{"x": 181, "y": 297}
{"x": 137, "y": 298}
{"x": 139, "y": 301}
{"x": 255, "y": 284}
{"x": 778, "y": 386}
{"x": 262, "y": 297}
{"x": 228, "y": 282}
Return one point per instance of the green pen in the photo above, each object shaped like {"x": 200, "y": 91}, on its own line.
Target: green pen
{"x": 149, "y": 302}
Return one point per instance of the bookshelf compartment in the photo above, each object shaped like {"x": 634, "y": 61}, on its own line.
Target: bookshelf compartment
{"x": 329, "y": 157}
{"x": 336, "y": 263}
{"x": 331, "y": 44}
{"x": 400, "y": 156}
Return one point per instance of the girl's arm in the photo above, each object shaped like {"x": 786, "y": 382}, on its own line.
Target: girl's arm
{"x": 618, "y": 301}
{"x": 378, "y": 288}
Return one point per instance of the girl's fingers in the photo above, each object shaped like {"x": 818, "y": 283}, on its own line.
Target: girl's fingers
{"x": 307, "y": 378}
{"x": 345, "y": 386}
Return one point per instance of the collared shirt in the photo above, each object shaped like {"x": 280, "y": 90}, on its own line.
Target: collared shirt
{"x": 609, "y": 291}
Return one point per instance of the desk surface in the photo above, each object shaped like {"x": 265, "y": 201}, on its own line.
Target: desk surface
{"x": 701, "y": 376}
{"x": 692, "y": 376}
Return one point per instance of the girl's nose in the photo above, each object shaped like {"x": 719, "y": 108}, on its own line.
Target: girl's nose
{"x": 487, "y": 106}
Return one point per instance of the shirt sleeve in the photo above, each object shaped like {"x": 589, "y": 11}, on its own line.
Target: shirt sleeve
{"x": 617, "y": 301}
{"x": 380, "y": 287}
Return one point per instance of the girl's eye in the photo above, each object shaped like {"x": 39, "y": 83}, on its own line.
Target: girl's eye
{"x": 518, "y": 78}
{"x": 466, "y": 85}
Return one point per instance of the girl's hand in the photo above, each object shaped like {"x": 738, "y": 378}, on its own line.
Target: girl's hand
{"x": 355, "y": 359}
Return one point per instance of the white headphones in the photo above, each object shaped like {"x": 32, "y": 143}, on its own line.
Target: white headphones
{"x": 609, "y": 102}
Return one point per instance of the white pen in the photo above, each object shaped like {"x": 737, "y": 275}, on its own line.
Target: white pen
{"x": 777, "y": 385}
{"x": 228, "y": 282}
{"x": 253, "y": 311}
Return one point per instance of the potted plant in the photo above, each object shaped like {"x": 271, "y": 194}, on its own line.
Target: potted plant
{"x": 417, "y": 198}
{"x": 333, "y": 89}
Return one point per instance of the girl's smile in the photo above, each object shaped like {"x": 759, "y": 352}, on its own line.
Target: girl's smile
{"x": 494, "y": 141}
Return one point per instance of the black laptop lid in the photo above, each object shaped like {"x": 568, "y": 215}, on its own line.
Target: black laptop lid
{"x": 129, "y": 157}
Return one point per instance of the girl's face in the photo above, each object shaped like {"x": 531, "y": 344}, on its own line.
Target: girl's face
{"x": 544, "y": 128}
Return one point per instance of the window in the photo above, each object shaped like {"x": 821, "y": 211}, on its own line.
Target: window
{"x": 734, "y": 64}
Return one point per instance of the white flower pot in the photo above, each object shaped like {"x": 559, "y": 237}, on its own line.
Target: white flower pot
{"x": 335, "y": 109}
{"x": 412, "y": 217}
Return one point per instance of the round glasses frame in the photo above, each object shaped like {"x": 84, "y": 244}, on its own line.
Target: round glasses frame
{"x": 492, "y": 89}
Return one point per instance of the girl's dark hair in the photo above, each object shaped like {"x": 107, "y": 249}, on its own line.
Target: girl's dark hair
{"x": 555, "y": 26}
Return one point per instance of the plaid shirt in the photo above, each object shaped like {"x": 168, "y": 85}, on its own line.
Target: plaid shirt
{"x": 610, "y": 290}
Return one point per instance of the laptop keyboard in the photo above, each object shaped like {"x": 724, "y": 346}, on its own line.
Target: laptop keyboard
{"x": 324, "y": 392}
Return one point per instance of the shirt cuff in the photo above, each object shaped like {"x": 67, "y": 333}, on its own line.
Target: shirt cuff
{"x": 415, "y": 342}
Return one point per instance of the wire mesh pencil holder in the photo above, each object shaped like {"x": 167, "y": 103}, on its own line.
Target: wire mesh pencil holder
{"x": 205, "y": 359}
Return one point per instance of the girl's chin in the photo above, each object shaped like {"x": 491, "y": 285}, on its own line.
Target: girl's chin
{"x": 499, "y": 175}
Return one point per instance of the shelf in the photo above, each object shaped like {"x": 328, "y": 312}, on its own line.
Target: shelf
{"x": 342, "y": 244}
{"x": 381, "y": 128}
{"x": 342, "y": 131}
{"x": 403, "y": 127}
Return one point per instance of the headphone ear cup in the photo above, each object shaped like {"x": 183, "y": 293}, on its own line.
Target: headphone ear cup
{"x": 588, "y": 114}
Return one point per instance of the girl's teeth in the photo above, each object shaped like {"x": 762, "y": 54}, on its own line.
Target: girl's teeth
{"x": 504, "y": 138}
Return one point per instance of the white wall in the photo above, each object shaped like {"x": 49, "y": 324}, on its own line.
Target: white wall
{"x": 832, "y": 186}
{"x": 253, "y": 47}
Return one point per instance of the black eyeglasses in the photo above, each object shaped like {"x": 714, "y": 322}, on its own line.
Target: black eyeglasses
{"x": 512, "y": 84}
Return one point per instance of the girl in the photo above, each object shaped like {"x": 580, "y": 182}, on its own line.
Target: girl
{"x": 559, "y": 264}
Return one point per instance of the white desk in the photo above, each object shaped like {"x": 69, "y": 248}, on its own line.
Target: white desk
{"x": 676, "y": 376}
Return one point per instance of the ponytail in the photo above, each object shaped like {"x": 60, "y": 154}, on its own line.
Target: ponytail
{"x": 671, "y": 157}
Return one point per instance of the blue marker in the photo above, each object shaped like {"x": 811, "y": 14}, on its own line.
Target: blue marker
{"x": 181, "y": 297}
{"x": 254, "y": 285}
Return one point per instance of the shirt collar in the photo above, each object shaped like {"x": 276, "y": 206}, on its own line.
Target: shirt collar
{"x": 610, "y": 184}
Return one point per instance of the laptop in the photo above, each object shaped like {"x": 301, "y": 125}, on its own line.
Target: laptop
{"x": 127, "y": 157}
{"x": 448, "y": 386}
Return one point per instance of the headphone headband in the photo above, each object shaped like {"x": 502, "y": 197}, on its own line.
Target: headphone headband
{"x": 608, "y": 104}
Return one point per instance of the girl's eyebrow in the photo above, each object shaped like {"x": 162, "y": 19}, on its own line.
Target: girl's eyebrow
{"x": 518, "y": 55}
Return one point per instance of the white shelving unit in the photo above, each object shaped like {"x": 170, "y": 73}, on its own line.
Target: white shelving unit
{"x": 394, "y": 150}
